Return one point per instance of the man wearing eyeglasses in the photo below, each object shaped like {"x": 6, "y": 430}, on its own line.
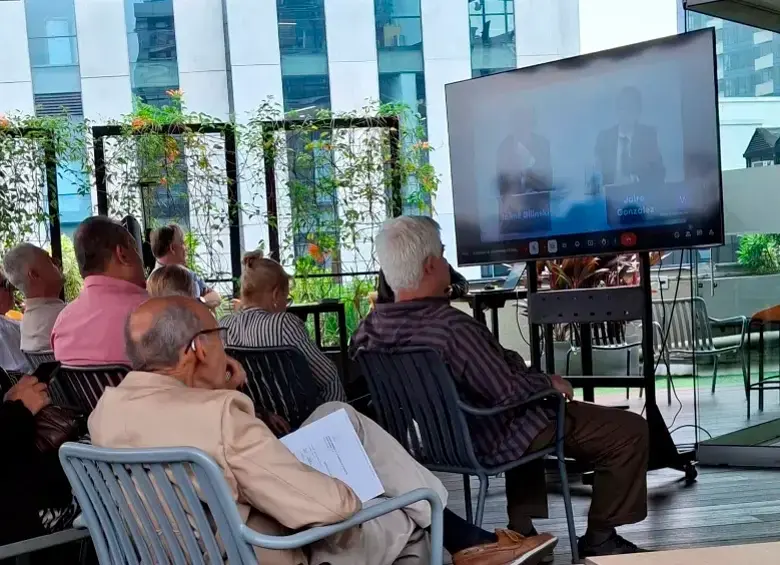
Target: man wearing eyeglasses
{"x": 182, "y": 392}
{"x": 11, "y": 356}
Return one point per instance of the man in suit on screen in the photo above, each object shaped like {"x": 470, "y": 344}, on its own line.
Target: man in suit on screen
{"x": 628, "y": 152}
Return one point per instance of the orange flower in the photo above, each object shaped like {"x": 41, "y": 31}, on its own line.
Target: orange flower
{"x": 175, "y": 93}
{"x": 171, "y": 156}
{"x": 316, "y": 253}
{"x": 4, "y": 122}
{"x": 139, "y": 123}
{"x": 164, "y": 181}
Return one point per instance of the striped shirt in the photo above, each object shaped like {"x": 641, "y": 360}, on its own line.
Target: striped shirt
{"x": 486, "y": 375}
{"x": 255, "y": 327}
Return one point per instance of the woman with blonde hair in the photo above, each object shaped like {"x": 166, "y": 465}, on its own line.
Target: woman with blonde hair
{"x": 172, "y": 280}
{"x": 263, "y": 321}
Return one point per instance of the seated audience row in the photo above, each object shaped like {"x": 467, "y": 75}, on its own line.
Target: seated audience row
{"x": 182, "y": 391}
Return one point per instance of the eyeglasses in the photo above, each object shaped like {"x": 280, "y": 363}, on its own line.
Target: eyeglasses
{"x": 222, "y": 332}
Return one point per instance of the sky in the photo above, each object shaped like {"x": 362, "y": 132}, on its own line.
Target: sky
{"x": 611, "y": 23}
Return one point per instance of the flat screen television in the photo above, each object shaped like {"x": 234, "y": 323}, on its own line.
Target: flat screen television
{"x": 615, "y": 151}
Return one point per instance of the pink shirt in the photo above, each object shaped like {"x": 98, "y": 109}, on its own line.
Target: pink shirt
{"x": 91, "y": 329}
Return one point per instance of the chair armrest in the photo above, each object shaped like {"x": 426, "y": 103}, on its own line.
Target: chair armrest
{"x": 732, "y": 321}
{"x": 539, "y": 396}
{"x": 309, "y": 536}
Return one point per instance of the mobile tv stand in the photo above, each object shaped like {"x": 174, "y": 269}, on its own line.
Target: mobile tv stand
{"x": 612, "y": 304}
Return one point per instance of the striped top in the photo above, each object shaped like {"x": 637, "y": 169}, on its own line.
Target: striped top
{"x": 486, "y": 375}
{"x": 254, "y": 327}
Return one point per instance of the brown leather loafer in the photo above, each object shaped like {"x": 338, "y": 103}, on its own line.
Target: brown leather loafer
{"x": 510, "y": 549}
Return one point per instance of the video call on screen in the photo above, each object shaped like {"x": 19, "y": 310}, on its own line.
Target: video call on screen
{"x": 588, "y": 155}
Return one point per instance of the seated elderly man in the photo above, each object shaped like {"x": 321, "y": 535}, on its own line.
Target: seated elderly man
{"x": 90, "y": 330}
{"x": 32, "y": 271}
{"x": 486, "y": 375}
{"x": 11, "y": 356}
{"x": 182, "y": 392}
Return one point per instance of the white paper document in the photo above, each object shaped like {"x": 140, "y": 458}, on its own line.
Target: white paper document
{"x": 331, "y": 446}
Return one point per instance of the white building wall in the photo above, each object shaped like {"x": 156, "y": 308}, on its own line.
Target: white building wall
{"x": 605, "y": 24}
{"x": 16, "y": 93}
{"x": 105, "y": 67}
{"x": 257, "y": 77}
{"x": 352, "y": 60}
{"x": 447, "y": 58}
{"x": 200, "y": 49}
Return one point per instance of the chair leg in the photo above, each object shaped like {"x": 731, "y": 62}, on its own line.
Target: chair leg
{"x": 467, "y": 498}
{"x": 481, "y": 499}
{"x": 668, "y": 385}
{"x": 715, "y": 362}
{"x": 567, "y": 505}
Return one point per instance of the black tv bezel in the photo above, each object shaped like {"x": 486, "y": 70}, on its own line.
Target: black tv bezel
{"x": 664, "y": 239}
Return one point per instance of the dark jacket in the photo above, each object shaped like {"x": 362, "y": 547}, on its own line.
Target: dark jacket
{"x": 645, "y": 161}
{"x": 31, "y": 481}
{"x": 459, "y": 287}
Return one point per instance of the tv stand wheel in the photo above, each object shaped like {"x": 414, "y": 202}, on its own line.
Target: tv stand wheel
{"x": 690, "y": 473}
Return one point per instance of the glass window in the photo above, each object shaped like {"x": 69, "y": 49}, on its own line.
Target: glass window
{"x": 492, "y": 32}
{"x": 746, "y": 66}
{"x": 304, "y": 52}
{"x": 54, "y": 55}
{"x": 151, "y": 42}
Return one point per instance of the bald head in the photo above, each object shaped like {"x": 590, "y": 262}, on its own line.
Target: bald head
{"x": 159, "y": 330}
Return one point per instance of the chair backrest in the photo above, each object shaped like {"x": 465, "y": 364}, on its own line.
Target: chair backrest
{"x": 156, "y": 506}
{"x": 415, "y": 399}
{"x": 279, "y": 380}
{"x": 684, "y": 323}
{"x": 83, "y": 386}
{"x": 7, "y": 380}
{"x": 35, "y": 358}
{"x": 603, "y": 333}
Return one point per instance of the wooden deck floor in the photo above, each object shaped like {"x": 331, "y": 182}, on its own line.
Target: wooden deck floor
{"x": 724, "y": 507}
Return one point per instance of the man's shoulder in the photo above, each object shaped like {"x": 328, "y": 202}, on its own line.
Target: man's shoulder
{"x": 9, "y": 326}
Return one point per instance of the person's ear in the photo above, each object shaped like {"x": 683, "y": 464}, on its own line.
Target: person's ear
{"x": 121, "y": 253}
{"x": 198, "y": 350}
{"x": 430, "y": 265}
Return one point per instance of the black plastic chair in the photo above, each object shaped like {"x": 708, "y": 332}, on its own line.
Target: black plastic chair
{"x": 82, "y": 387}
{"x": 415, "y": 399}
{"x": 7, "y": 380}
{"x": 36, "y": 358}
{"x": 279, "y": 380}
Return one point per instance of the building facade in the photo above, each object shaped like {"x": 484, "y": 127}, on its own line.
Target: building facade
{"x": 95, "y": 56}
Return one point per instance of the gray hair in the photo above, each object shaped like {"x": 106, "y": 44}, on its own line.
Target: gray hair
{"x": 16, "y": 264}
{"x": 402, "y": 246}
{"x": 161, "y": 345}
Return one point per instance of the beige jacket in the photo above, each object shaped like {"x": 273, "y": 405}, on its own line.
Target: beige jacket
{"x": 274, "y": 492}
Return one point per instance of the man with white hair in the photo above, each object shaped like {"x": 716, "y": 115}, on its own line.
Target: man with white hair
{"x": 486, "y": 375}
{"x": 30, "y": 269}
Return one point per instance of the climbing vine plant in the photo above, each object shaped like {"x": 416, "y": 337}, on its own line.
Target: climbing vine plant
{"x": 179, "y": 178}
{"x": 24, "y": 210}
{"x": 334, "y": 186}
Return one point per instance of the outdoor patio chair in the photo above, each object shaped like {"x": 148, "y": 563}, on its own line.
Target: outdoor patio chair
{"x": 35, "y": 358}
{"x": 279, "y": 380}
{"x": 24, "y": 547}
{"x": 607, "y": 336}
{"x": 415, "y": 399}
{"x": 173, "y": 506}
{"x": 82, "y": 387}
{"x": 7, "y": 380}
{"x": 684, "y": 333}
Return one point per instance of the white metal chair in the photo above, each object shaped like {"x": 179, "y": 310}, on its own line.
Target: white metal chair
{"x": 686, "y": 335}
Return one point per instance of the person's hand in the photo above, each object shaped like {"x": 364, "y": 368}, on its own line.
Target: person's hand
{"x": 277, "y": 424}
{"x": 563, "y": 386}
{"x": 235, "y": 376}
{"x": 235, "y": 304}
{"x": 31, "y": 393}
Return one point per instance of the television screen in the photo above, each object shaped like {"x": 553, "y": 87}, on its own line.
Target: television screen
{"x": 615, "y": 151}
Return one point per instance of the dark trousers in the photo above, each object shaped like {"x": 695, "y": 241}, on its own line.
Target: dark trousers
{"x": 615, "y": 443}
